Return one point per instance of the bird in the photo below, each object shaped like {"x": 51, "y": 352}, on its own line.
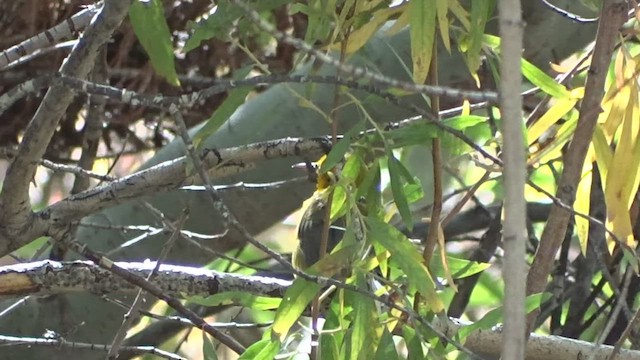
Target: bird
{"x": 312, "y": 223}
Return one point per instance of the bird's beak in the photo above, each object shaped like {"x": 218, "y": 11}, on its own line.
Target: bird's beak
{"x": 309, "y": 167}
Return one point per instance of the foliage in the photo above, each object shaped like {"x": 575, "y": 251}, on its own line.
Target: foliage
{"x": 384, "y": 305}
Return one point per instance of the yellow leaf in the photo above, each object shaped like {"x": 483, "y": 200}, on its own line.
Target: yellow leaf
{"x": 555, "y": 113}
{"x": 622, "y": 174}
{"x": 443, "y": 257}
{"x": 401, "y": 23}
{"x": 603, "y": 152}
{"x": 614, "y": 109}
{"x": 360, "y": 37}
{"x": 583, "y": 201}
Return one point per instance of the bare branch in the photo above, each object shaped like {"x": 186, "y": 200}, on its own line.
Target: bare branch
{"x": 49, "y": 37}
{"x": 15, "y": 207}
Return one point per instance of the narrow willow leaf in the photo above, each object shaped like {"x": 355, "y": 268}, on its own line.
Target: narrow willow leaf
{"x": 150, "y": 26}
{"x": 265, "y": 349}
{"x": 361, "y": 36}
{"x": 329, "y": 346}
{"x": 414, "y": 344}
{"x": 408, "y": 259}
{"x": 295, "y": 300}
{"x": 603, "y": 152}
{"x": 235, "y": 98}
{"x": 550, "y": 118}
{"x": 299, "y": 295}
{"x": 336, "y": 155}
{"x": 217, "y": 25}
{"x": 619, "y": 193}
{"x": 480, "y": 11}
{"x": 397, "y": 188}
{"x": 546, "y": 83}
{"x": 422, "y": 30}
{"x": 582, "y": 202}
{"x": 364, "y": 324}
{"x": 386, "y": 348}
{"x": 460, "y": 268}
{"x": 442, "y": 7}
{"x": 494, "y": 316}
{"x": 208, "y": 350}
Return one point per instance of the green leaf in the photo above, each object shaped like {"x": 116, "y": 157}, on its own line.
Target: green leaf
{"x": 208, "y": 350}
{"x": 421, "y": 132}
{"x": 464, "y": 121}
{"x": 150, "y": 26}
{"x": 237, "y": 298}
{"x": 459, "y": 268}
{"x": 329, "y": 346}
{"x": 408, "y": 259}
{"x": 414, "y": 345}
{"x": 265, "y": 349}
{"x": 494, "y": 316}
{"x": 397, "y": 189}
{"x": 480, "y": 11}
{"x": 364, "y": 324}
{"x": 413, "y": 192}
{"x": 386, "y": 348}
{"x": 218, "y": 24}
{"x": 422, "y": 19}
{"x": 546, "y": 83}
{"x": 295, "y": 300}
{"x": 236, "y": 98}
{"x": 336, "y": 155}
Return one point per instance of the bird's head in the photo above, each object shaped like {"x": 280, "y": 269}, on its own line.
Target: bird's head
{"x": 322, "y": 179}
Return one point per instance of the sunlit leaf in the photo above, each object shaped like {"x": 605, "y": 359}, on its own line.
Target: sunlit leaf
{"x": 546, "y": 83}
{"x": 295, "y": 300}
{"x": 619, "y": 193}
{"x": 603, "y": 152}
{"x": 550, "y": 118}
{"x": 299, "y": 295}
{"x": 582, "y": 202}
{"x": 361, "y": 36}
{"x": 265, "y": 349}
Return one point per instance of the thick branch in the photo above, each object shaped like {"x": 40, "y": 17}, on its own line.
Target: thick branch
{"x": 15, "y": 207}
{"x": 613, "y": 15}
{"x": 48, "y": 277}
